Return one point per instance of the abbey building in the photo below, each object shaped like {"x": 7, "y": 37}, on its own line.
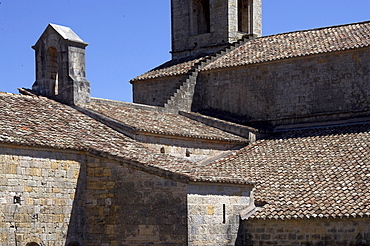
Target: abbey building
{"x": 239, "y": 139}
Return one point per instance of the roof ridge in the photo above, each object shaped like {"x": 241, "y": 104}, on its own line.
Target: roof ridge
{"x": 182, "y": 67}
{"x": 127, "y": 104}
{"x": 25, "y": 94}
{"x": 315, "y": 29}
{"x": 9, "y": 93}
{"x": 129, "y": 130}
{"x": 285, "y": 45}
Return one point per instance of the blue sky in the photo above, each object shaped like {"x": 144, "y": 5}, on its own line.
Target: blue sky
{"x": 129, "y": 37}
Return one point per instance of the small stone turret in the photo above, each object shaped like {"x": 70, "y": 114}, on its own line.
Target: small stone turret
{"x": 60, "y": 66}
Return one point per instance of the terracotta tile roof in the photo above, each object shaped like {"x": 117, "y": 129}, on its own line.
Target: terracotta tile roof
{"x": 41, "y": 122}
{"x": 161, "y": 123}
{"x": 296, "y": 44}
{"x": 170, "y": 68}
{"x": 38, "y": 121}
{"x": 317, "y": 173}
{"x": 300, "y": 174}
{"x": 275, "y": 47}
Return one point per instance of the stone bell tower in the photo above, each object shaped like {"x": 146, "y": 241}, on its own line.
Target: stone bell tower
{"x": 60, "y": 66}
{"x": 206, "y": 26}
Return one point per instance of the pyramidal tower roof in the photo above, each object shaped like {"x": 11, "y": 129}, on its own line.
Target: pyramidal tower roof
{"x": 67, "y": 33}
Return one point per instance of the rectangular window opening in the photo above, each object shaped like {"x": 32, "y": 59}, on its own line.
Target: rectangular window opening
{"x": 245, "y": 13}
{"x": 201, "y": 16}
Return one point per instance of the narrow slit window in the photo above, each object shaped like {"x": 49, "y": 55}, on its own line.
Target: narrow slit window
{"x": 52, "y": 62}
{"x": 17, "y": 200}
{"x": 244, "y": 16}
{"x": 187, "y": 153}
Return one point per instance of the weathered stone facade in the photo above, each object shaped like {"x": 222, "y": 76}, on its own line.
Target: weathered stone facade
{"x": 207, "y": 26}
{"x": 290, "y": 90}
{"x": 213, "y": 212}
{"x": 53, "y": 198}
{"x": 62, "y": 197}
{"x": 331, "y": 232}
{"x": 125, "y": 206}
{"x": 38, "y": 189}
{"x": 60, "y": 66}
{"x": 157, "y": 91}
{"x": 108, "y": 173}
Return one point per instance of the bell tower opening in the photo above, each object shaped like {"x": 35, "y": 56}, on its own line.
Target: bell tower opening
{"x": 245, "y": 16}
{"x": 52, "y": 68}
{"x": 202, "y": 27}
{"x": 201, "y": 17}
{"x": 60, "y": 66}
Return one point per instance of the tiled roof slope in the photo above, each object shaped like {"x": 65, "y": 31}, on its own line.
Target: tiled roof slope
{"x": 275, "y": 47}
{"x": 159, "y": 122}
{"x": 170, "y": 68}
{"x": 41, "y": 122}
{"x": 297, "y": 44}
{"x": 317, "y": 173}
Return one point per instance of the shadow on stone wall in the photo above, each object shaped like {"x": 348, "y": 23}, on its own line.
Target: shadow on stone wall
{"x": 117, "y": 204}
{"x": 77, "y": 223}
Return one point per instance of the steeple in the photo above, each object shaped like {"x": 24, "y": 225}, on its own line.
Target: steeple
{"x": 206, "y": 26}
{"x": 60, "y": 66}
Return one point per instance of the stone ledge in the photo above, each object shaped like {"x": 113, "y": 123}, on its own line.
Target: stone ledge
{"x": 127, "y": 104}
{"x": 252, "y": 134}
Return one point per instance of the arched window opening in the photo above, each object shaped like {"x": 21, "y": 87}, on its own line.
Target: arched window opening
{"x": 74, "y": 244}
{"x": 32, "y": 244}
{"x": 202, "y": 17}
{"x": 52, "y": 68}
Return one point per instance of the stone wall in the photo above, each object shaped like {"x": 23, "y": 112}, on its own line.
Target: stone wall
{"x": 156, "y": 92}
{"x": 37, "y": 194}
{"x": 187, "y": 148}
{"x": 56, "y": 197}
{"x": 223, "y": 26}
{"x": 257, "y": 17}
{"x": 288, "y": 89}
{"x": 330, "y": 232}
{"x": 213, "y": 213}
{"x": 60, "y": 67}
{"x": 125, "y": 206}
